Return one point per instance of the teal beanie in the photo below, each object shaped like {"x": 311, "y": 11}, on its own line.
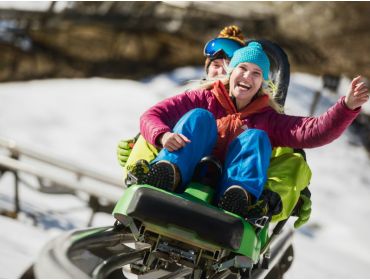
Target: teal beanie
{"x": 253, "y": 53}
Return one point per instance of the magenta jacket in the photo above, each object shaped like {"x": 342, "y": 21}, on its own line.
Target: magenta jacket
{"x": 283, "y": 130}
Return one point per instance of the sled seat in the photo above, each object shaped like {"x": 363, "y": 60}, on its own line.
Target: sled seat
{"x": 210, "y": 223}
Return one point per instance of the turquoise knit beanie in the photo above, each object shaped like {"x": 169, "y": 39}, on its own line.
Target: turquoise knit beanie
{"x": 253, "y": 53}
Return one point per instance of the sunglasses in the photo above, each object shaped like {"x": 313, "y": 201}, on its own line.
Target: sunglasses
{"x": 225, "y": 45}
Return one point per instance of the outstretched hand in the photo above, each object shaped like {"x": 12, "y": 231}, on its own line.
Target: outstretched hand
{"x": 173, "y": 141}
{"x": 357, "y": 95}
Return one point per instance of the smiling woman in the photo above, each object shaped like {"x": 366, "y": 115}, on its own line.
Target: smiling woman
{"x": 245, "y": 81}
{"x": 247, "y": 77}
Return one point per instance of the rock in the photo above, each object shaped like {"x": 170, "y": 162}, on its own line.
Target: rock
{"x": 136, "y": 39}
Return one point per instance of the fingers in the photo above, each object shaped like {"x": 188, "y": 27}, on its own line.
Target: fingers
{"x": 175, "y": 142}
{"x": 123, "y": 144}
{"x": 361, "y": 93}
{"x": 355, "y": 81}
{"x": 124, "y": 147}
{"x": 186, "y": 139}
{"x": 122, "y": 160}
{"x": 302, "y": 219}
{"x": 126, "y": 144}
{"x": 360, "y": 88}
{"x": 124, "y": 152}
{"x": 307, "y": 203}
{"x": 300, "y": 222}
{"x": 358, "y": 94}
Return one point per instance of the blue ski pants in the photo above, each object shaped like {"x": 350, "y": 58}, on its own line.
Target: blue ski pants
{"x": 247, "y": 159}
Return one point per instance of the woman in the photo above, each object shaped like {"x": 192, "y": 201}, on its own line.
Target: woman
{"x": 239, "y": 123}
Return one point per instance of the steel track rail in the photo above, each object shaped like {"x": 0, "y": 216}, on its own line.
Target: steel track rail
{"x": 97, "y": 252}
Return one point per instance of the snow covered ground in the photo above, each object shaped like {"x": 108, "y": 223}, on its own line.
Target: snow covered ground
{"x": 82, "y": 121}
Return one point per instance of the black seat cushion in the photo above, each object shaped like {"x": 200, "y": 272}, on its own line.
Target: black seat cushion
{"x": 210, "y": 224}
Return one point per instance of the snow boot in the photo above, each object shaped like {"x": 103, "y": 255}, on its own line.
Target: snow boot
{"x": 235, "y": 200}
{"x": 208, "y": 172}
{"x": 164, "y": 175}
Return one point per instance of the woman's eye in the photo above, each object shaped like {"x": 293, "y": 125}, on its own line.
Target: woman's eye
{"x": 257, "y": 74}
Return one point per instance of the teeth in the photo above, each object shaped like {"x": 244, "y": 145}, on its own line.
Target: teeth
{"x": 247, "y": 86}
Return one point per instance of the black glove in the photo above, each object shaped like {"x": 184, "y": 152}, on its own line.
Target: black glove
{"x": 269, "y": 204}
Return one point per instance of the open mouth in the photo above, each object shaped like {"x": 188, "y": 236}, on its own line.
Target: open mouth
{"x": 244, "y": 86}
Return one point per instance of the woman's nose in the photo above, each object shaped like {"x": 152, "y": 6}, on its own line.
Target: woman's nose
{"x": 221, "y": 71}
{"x": 246, "y": 75}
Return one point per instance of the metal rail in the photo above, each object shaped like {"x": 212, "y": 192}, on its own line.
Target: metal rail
{"x": 179, "y": 274}
{"x": 107, "y": 192}
{"x": 279, "y": 245}
{"x": 118, "y": 261}
{"x": 66, "y": 256}
{"x": 99, "y": 187}
{"x": 72, "y": 254}
{"x": 17, "y": 150}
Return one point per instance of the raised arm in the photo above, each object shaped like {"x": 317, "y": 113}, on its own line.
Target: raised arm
{"x": 310, "y": 132}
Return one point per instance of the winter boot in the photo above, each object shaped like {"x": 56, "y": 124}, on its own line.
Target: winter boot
{"x": 164, "y": 175}
{"x": 235, "y": 200}
{"x": 208, "y": 172}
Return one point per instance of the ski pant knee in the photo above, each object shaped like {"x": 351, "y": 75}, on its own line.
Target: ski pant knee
{"x": 247, "y": 161}
{"x": 199, "y": 126}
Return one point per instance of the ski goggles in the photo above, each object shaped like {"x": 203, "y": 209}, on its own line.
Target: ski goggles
{"x": 225, "y": 45}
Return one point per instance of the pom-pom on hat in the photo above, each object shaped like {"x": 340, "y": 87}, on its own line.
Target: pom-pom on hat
{"x": 232, "y": 32}
{"x": 253, "y": 53}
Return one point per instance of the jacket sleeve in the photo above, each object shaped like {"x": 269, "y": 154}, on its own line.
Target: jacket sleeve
{"x": 311, "y": 132}
{"x": 163, "y": 116}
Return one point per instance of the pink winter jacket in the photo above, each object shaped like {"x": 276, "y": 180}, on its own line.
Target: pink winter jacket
{"x": 283, "y": 130}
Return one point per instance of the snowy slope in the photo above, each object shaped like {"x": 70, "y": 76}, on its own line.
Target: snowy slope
{"x": 82, "y": 121}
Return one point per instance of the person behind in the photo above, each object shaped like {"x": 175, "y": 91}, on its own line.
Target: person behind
{"x": 220, "y": 50}
{"x": 238, "y": 122}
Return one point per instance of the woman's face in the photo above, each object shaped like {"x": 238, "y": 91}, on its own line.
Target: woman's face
{"x": 217, "y": 68}
{"x": 245, "y": 81}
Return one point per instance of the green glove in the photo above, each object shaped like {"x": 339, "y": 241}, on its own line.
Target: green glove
{"x": 304, "y": 211}
{"x": 124, "y": 149}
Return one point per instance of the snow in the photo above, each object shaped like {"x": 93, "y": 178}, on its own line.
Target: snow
{"x": 82, "y": 120}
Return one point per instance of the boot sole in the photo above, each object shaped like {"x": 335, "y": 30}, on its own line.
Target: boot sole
{"x": 162, "y": 175}
{"x": 235, "y": 200}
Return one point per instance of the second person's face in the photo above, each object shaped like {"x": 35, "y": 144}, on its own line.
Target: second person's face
{"x": 217, "y": 68}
